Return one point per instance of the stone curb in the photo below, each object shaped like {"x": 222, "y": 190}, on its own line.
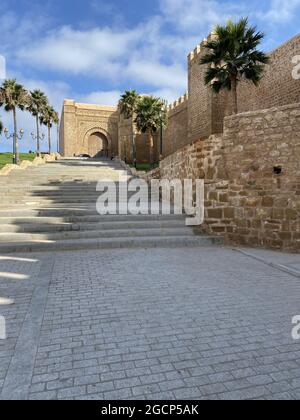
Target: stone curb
{"x": 147, "y": 176}
{"x": 18, "y": 379}
{"x": 26, "y": 163}
{"x": 280, "y": 267}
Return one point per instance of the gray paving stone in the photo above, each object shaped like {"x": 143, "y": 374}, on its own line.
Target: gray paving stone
{"x": 87, "y": 380}
{"x": 68, "y": 393}
{"x": 245, "y": 394}
{"x": 44, "y": 396}
{"x": 217, "y": 326}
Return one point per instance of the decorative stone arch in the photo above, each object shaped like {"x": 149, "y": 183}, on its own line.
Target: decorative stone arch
{"x": 96, "y": 130}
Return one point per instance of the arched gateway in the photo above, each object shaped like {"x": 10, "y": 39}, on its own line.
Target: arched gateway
{"x": 89, "y": 129}
{"x": 99, "y": 131}
{"x": 98, "y": 145}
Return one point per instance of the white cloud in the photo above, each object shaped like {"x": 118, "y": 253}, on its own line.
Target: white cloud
{"x": 91, "y": 52}
{"x": 102, "y": 98}
{"x": 129, "y": 57}
{"x": 17, "y": 30}
{"x": 169, "y": 95}
{"x": 281, "y": 11}
{"x": 198, "y": 15}
{"x": 157, "y": 74}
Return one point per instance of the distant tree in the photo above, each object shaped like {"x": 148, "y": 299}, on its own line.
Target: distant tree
{"x": 48, "y": 118}
{"x": 232, "y": 56}
{"x": 14, "y": 96}
{"x": 37, "y": 104}
{"x": 151, "y": 116}
{"x": 127, "y": 107}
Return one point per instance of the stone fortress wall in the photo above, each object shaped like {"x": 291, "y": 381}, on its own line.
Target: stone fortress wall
{"x": 175, "y": 134}
{"x": 251, "y": 161}
{"x": 84, "y": 126}
{"x": 79, "y": 122}
{"x": 204, "y": 111}
{"x": 196, "y": 115}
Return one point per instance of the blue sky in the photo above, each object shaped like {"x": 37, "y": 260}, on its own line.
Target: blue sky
{"x": 93, "y": 50}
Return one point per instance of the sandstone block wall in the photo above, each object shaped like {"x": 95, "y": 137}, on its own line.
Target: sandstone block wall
{"x": 175, "y": 136}
{"x": 142, "y": 143}
{"x": 207, "y": 110}
{"x": 277, "y": 87}
{"x": 80, "y": 121}
{"x": 266, "y": 203}
{"x": 248, "y": 200}
{"x": 200, "y": 98}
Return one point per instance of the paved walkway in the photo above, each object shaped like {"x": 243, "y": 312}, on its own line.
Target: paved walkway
{"x": 207, "y": 323}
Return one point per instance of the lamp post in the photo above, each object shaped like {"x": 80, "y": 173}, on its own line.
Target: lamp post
{"x": 16, "y": 137}
{"x": 38, "y": 138}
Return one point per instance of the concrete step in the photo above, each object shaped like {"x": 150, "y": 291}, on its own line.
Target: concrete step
{"x": 33, "y": 201}
{"x": 36, "y": 227}
{"x": 60, "y": 194}
{"x": 112, "y": 243}
{"x": 73, "y": 215}
{"x": 99, "y": 233}
{"x": 53, "y": 207}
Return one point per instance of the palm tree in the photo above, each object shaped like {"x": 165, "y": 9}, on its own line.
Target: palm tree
{"x": 49, "y": 117}
{"x": 232, "y": 56}
{"x": 151, "y": 116}
{"x": 13, "y": 96}
{"x": 127, "y": 108}
{"x": 38, "y": 102}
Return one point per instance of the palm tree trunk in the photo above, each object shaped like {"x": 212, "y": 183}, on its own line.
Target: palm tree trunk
{"x": 234, "y": 96}
{"x": 16, "y": 157}
{"x": 37, "y": 136}
{"x": 133, "y": 149}
{"x": 125, "y": 149}
{"x": 151, "y": 148}
{"x": 58, "y": 146}
{"x": 49, "y": 138}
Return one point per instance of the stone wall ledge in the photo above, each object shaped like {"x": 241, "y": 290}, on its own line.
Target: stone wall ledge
{"x": 24, "y": 164}
{"x": 263, "y": 112}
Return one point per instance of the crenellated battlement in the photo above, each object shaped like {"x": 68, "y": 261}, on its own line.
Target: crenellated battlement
{"x": 200, "y": 48}
{"x": 179, "y": 102}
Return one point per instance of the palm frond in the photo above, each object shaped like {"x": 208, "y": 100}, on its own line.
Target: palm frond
{"x": 234, "y": 55}
{"x": 13, "y": 95}
{"x": 128, "y": 103}
{"x": 37, "y": 103}
{"x": 150, "y": 114}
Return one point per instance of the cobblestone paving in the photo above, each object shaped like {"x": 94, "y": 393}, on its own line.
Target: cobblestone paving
{"x": 206, "y": 323}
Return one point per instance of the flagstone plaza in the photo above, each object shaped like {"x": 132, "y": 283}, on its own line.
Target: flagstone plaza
{"x": 179, "y": 323}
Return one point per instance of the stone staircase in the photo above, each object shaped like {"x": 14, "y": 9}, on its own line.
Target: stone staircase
{"x": 53, "y": 207}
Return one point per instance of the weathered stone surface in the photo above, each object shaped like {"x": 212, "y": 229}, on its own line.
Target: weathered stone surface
{"x": 217, "y": 326}
{"x": 251, "y": 203}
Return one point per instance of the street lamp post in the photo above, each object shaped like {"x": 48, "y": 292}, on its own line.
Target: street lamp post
{"x": 16, "y": 137}
{"x": 38, "y": 139}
